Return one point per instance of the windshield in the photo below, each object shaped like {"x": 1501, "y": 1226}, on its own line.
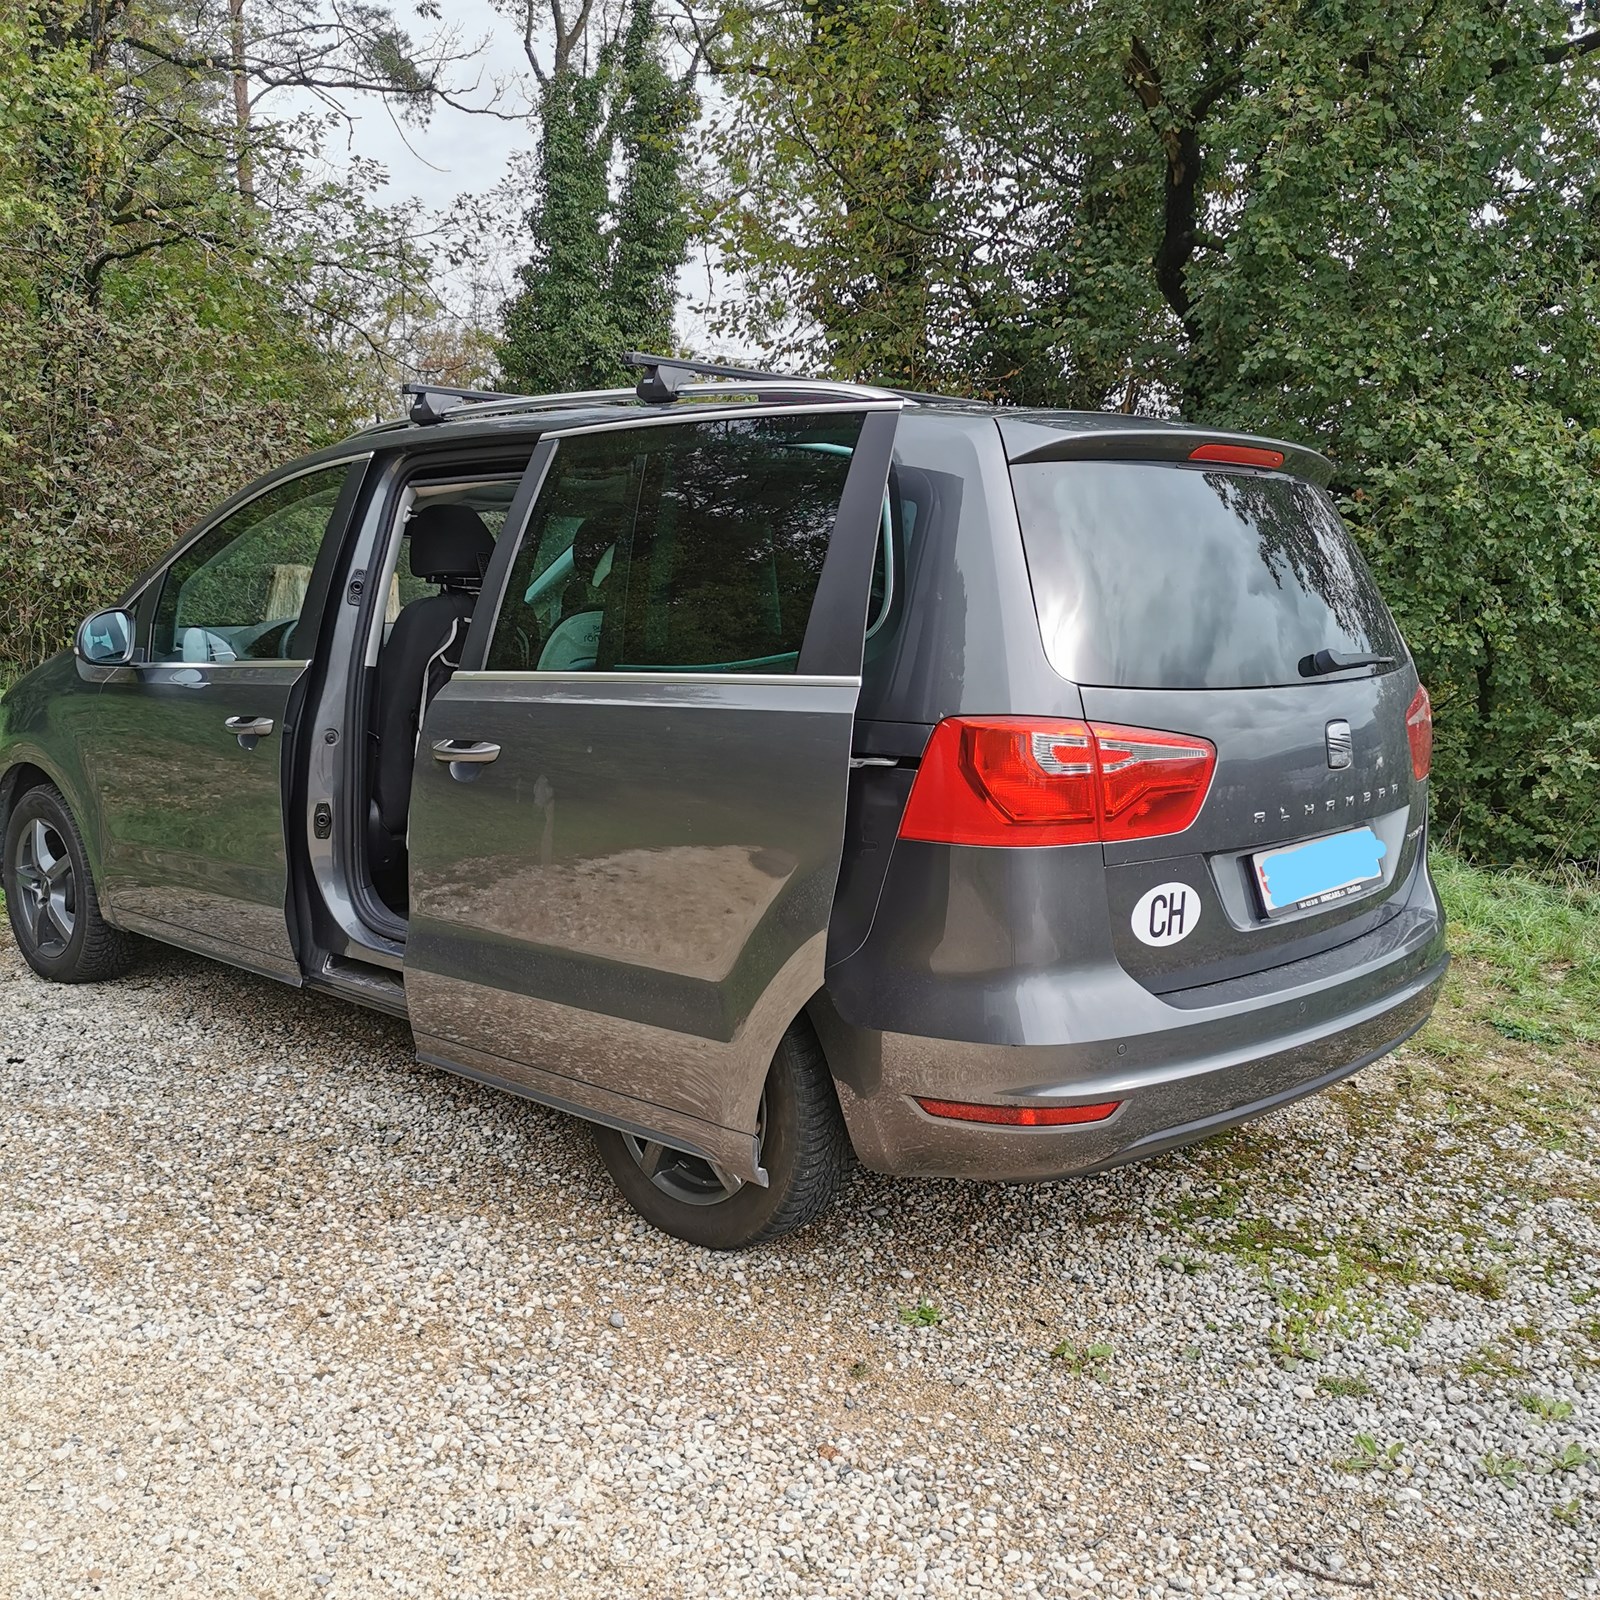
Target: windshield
{"x": 1162, "y": 576}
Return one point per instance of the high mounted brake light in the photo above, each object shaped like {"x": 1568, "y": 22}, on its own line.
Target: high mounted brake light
{"x": 1037, "y": 781}
{"x": 1419, "y": 733}
{"x": 1238, "y": 455}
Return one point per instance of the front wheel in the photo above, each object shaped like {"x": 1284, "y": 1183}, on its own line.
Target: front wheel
{"x": 804, "y": 1148}
{"x": 50, "y": 898}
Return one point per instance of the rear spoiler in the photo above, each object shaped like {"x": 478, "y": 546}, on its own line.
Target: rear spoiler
{"x": 1091, "y": 436}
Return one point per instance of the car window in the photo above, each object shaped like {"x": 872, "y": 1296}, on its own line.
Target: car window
{"x": 236, "y": 593}
{"x": 1147, "y": 575}
{"x": 690, "y": 548}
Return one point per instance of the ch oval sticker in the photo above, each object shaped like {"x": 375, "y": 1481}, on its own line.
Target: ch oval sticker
{"x": 1166, "y": 914}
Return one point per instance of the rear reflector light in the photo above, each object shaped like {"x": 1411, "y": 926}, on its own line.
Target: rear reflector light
{"x": 1027, "y": 781}
{"x": 1419, "y": 731}
{"x": 1018, "y": 1116}
{"x": 1238, "y": 455}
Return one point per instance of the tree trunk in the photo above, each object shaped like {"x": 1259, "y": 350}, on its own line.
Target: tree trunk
{"x": 241, "y": 102}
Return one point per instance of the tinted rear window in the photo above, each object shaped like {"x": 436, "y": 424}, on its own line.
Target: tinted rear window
{"x": 1177, "y": 577}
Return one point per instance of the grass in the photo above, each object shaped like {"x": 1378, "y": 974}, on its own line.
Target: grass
{"x": 1370, "y": 1456}
{"x": 1344, "y": 1388}
{"x": 1544, "y": 1408}
{"x": 1508, "y": 1066}
{"x": 1517, "y": 1035}
{"x": 1571, "y": 1458}
{"x": 924, "y": 1314}
{"x": 1504, "y": 1469}
{"x": 1083, "y": 1361}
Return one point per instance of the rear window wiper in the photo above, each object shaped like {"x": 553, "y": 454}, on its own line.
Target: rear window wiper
{"x": 1325, "y": 661}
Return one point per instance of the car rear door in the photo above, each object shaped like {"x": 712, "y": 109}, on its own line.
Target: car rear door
{"x": 628, "y": 808}
{"x": 1195, "y": 596}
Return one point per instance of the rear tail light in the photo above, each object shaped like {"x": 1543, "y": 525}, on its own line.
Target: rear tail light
{"x": 1419, "y": 732}
{"x": 1018, "y": 1116}
{"x": 1029, "y": 781}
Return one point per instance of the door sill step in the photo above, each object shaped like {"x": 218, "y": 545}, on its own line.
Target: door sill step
{"x": 366, "y": 984}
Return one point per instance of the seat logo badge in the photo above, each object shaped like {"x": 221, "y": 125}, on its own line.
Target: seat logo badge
{"x": 1166, "y": 914}
{"x": 1340, "y": 745}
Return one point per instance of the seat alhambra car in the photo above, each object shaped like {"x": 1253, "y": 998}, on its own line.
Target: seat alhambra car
{"x": 768, "y": 770}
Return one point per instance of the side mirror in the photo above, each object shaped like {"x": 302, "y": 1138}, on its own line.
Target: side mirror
{"x": 106, "y": 639}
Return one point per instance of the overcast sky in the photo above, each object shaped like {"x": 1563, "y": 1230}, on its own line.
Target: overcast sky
{"x": 456, "y": 153}
{"x": 460, "y": 154}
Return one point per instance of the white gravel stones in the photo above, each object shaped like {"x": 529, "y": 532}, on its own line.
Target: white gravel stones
{"x": 284, "y": 1314}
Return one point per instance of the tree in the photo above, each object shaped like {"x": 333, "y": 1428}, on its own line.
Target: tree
{"x": 607, "y": 243}
{"x": 165, "y": 335}
{"x": 1374, "y": 227}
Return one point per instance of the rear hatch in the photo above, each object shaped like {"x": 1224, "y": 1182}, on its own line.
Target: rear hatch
{"x": 1195, "y": 597}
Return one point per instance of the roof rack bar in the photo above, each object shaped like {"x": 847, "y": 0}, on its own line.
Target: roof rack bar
{"x": 663, "y": 378}
{"x": 425, "y": 398}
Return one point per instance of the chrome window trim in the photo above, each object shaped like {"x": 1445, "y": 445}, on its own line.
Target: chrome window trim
{"x": 758, "y": 679}
{"x": 220, "y": 666}
{"x": 886, "y": 535}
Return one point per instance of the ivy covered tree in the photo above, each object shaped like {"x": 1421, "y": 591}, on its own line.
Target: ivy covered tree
{"x": 609, "y": 221}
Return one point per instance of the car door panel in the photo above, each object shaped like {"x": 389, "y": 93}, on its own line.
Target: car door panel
{"x": 652, "y": 896}
{"x": 626, "y": 907}
{"x": 194, "y": 845}
{"x": 190, "y": 805}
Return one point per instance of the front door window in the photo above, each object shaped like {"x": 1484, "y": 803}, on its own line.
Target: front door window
{"x": 236, "y": 593}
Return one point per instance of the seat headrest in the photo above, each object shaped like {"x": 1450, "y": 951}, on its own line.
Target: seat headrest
{"x": 596, "y": 534}
{"x": 449, "y": 544}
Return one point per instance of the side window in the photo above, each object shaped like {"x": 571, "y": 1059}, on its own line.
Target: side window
{"x": 236, "y": 593}
{"x": 694, "y": 547}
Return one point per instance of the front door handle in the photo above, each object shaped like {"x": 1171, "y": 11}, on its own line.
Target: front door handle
{"x": 249, "y": 727}
{"x": 454, "y": 750}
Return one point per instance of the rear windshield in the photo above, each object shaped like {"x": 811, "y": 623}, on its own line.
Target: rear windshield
{"x": 1173, "y": 577}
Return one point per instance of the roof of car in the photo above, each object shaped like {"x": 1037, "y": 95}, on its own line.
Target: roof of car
{"x": 680, "y": 386}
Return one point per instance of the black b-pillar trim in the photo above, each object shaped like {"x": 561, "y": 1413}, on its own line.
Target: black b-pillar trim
{"x": 836, "y": 634}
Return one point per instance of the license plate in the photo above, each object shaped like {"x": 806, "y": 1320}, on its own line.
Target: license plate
{"x": 1320, "y": 871}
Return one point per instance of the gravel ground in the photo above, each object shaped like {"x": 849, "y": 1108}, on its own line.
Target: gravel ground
{"x": 283, "y": 1313}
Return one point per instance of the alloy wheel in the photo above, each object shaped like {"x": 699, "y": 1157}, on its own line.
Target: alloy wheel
{"x": 46, "y": 887}
{"x": 691, "y": 1179}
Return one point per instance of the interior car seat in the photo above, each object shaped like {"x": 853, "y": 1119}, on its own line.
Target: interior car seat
{"x": 450, "y": 546}
{"x": 575, "y": 639}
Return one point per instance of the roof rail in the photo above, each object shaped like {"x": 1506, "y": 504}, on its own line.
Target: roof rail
{"x": 664, "y": 378}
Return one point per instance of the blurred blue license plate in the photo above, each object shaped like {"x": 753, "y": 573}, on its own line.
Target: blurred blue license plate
{"x": 1319, "y": 871}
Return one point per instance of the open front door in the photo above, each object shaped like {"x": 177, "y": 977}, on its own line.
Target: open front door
{"x": 628, "y": 808}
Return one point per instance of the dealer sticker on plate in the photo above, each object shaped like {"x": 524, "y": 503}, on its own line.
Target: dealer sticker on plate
{"x": 1319, "y": 871}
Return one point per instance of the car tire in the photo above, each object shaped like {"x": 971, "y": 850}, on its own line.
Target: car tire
{"x": 804, "y": 1147}
{"x": 50, "y": 895}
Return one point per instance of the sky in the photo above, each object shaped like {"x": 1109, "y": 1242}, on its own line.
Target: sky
{"x": 459, "y": 154}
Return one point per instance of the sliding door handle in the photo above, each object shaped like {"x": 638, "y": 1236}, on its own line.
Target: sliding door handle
{"x": 249, "y": 730}
{"x": 475, "y": 754}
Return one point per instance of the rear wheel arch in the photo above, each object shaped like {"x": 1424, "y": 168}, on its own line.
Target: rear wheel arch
{"x": 806, "y": 1151}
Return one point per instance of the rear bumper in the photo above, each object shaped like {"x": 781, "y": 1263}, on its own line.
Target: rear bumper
{"x": 1206, "y": 1059}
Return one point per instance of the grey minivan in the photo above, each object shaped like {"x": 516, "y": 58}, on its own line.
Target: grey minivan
{"x": 765, "y": 770}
